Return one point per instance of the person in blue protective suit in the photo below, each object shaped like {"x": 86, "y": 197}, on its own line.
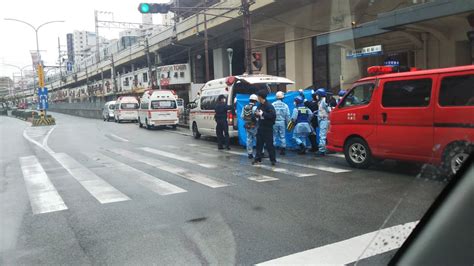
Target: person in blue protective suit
{"x": 323, "y": 120}
{"x": 248, "y": 115}
{"x": 301, "y": 116}
{"x": 341, "y": 94}
{"x": 282, "y": 118}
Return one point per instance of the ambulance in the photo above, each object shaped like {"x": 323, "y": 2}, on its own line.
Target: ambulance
{"x": 158, "y": 108}
{"x": 201, "y": 115}
{"x": 407, "y": 114}
{"x": 126, "y": 109}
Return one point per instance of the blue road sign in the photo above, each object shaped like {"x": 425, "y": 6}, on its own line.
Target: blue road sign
{"x": 43, "y": 98}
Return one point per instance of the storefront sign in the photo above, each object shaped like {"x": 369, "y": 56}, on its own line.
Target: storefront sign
{"x": 174, "y": 74}
{"x": 365, "y": 52}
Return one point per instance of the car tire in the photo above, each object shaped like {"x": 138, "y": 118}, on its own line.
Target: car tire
{"x": 196, "y": 133}
{"x": 357, "y": 153}
{"x": 146, "y": 124}
{"x": 454, "y": 156}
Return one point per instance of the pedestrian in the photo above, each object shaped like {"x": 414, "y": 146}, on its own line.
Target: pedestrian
{"x": 248, "y": 115}
{"x": 313, "y": 107}
{"x": 301, "y": 116}
{"x": 282, "y": 118}
{"x": 341, "y": 95}
{"x": 266, "y": 119}
{"x": 222, "y": 127}
{"x": 323, "y": 120}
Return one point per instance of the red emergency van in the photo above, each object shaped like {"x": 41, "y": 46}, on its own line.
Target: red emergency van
{"x": 407, "y": 114}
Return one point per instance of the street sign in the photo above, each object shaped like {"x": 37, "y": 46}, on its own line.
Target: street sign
{"x": 69, "y": 66}
{"x": 375, "y": 50}
{"x": 40, "y": 71}
{"x": 43, "y": 98}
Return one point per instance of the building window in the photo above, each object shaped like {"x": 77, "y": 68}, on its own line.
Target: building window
{"x": 407, "y": 93}
{"x": 145, "y": 77}
{"x": 326, "y": 66}
{"x": 276, "y": 60}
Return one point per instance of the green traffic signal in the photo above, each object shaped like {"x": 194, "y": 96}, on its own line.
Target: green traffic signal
{"x": 144, "y": 8}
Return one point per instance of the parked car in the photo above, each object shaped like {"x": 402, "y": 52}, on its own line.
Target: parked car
{"x": 418, "y": 115}
{"x": 201, "y": 118}
{"x": 126, "y": 109}
{"x": 158, "y": 108}
{"x": 108, "y": 111}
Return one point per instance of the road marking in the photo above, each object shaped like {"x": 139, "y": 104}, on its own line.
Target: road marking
{"x": 43, "y": 195}
{"x": 178, "y": 157}
{"x": 96, "y": 186}
{"x": 262, "y": 178}
{"x": 317, "y": 167}
{"x": 193, "y": 145}
{"x": 150, "y": 182}
{"x": 45, "y": 141}
{"x": 350, "y": 250}
{"x": 190, "y": 175}
{"x": 118, "y": 138}
{"x": 283, "y": 170}
{"x": 338, "y": 155}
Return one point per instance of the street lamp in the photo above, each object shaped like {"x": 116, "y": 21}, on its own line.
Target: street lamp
{"x": 230, "y": 53}
{"x": 36, "y": 29}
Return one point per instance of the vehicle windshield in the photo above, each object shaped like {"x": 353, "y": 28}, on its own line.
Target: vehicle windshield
{"x": 115, "y": 149}
{"x": 163, "y": 104}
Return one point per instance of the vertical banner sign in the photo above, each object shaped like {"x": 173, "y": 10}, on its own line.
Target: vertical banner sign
{"x": 40, "y": 76}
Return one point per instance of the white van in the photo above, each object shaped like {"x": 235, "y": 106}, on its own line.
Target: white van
{"x": 158, "y": 108}
{"x": 126, "y": 108}
{"x": 108, "y": 111}
{"x": 201, "y": 115}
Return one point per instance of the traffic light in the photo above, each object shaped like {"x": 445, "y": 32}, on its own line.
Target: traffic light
{"x": 257, "y": 63}
{"x": 152, "y": 8}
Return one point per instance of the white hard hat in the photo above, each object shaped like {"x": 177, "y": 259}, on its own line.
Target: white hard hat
{"x": 253, "y": 97}
{"x": 280, "y": 95}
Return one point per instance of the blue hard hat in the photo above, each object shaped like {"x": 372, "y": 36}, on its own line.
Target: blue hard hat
{"x": 298, "y": 99}
{"x": 342, "y": 93}
{"x": 321, "y": 92}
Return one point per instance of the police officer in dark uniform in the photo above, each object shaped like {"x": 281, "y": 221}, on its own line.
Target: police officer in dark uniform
{"x": 222, "y": 127}
{"x": 313, "y": 106}
{"x": 266, "y": 119}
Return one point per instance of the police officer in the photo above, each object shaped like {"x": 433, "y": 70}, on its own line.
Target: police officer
{"x": 266, "y": 119}
{"x": 282, "y": 118}
{"x": 248, "y": 115}
{"x": 313, "y": 106}
{"x": 323, "y": 119}
{"x": 301, "y": 116}
{"x": 222, "y": 127}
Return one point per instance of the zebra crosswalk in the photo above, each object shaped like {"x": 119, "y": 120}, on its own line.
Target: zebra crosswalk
{"x": 182, "y": 172}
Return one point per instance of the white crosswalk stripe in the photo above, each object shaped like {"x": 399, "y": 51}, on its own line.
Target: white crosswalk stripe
{"x": 283, "y": 170}
{"x": 43, "y": 195}
{"x": 189, "y": 175}
{"x": 178, "y": 157}
{"x": 317, "y": 167}
{"x": 262, "y": 178}
{"x": 96, "y": 186}
{"x": 150, "y": 182}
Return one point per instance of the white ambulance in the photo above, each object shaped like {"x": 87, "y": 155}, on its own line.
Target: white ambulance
{"x": 126, "y": 109}
{"x": 201, "y": 115}
{"x": 158, "y": 108}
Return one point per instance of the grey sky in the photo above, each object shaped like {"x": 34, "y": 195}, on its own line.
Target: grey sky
{"x": 18, "y": 39}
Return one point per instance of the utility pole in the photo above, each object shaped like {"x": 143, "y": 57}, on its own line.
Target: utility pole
{"x": 206, "y": 46}
{"x": 247, "y": 36}
{"x": 60, "y": 62}
{"x": 97, "y": 52}
{"x": 148, "y": 61}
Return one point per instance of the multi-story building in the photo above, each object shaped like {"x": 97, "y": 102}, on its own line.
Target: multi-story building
{"x": 6, "y": 86}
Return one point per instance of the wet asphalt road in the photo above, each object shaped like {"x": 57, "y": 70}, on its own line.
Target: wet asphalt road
{"x": 136, "y": 196}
